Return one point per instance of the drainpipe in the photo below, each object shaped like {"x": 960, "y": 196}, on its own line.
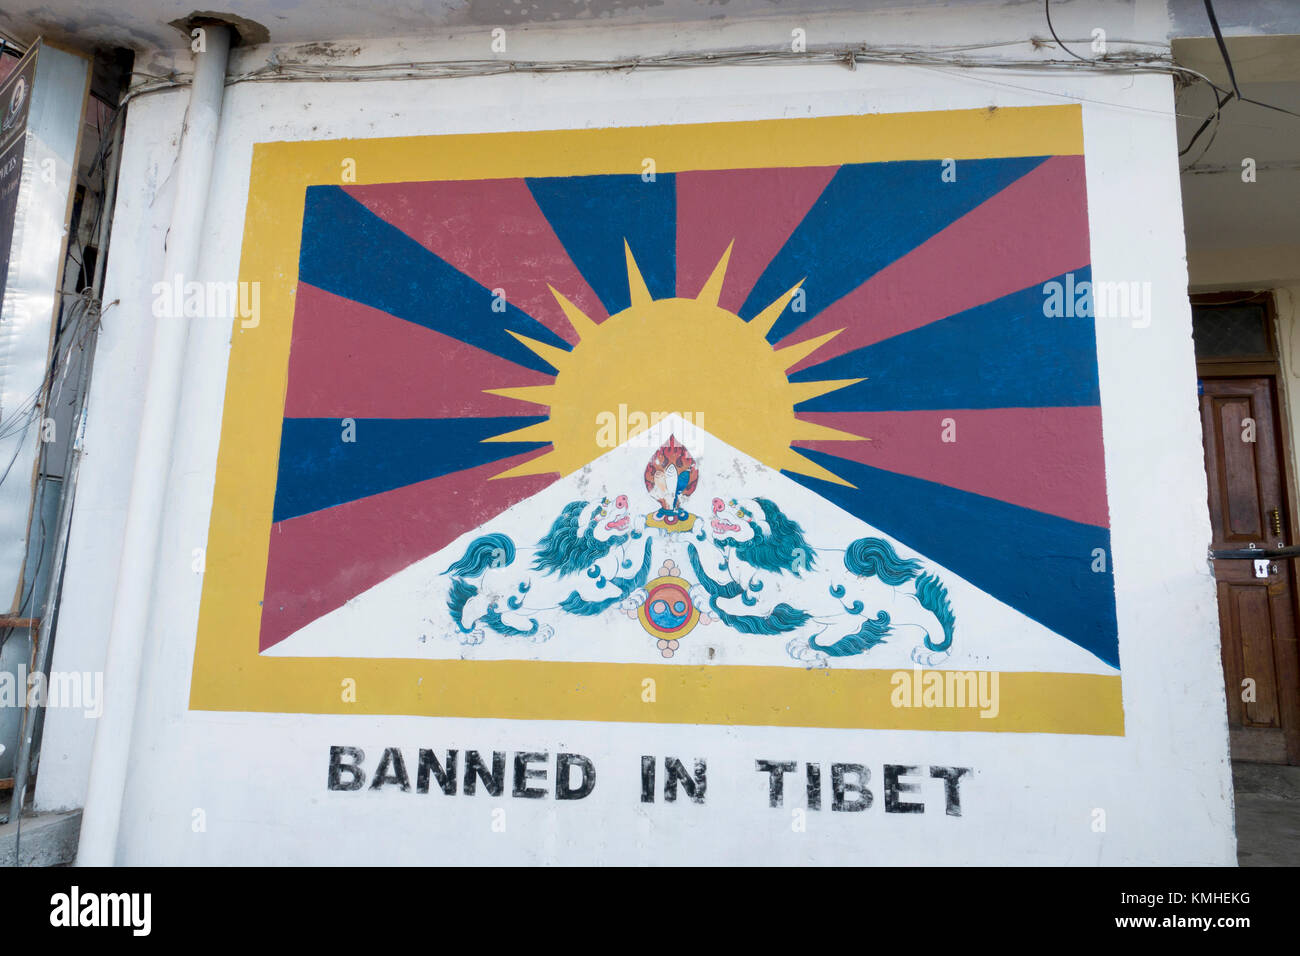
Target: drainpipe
{"x": 152, "y": 473}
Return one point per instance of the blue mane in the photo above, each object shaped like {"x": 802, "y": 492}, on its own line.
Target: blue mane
{"x": 871, "y": 633}
{"x": 457, "y": 597}
{"x": 868, "y": 556}
{"x": 492, "y": 620}
{"x": 565, "y": 550}
{"x": 486, "y": 551}
{"x": 774, "y": 551}
{"x": 575, "y": 603}
{"x": 934, "y": 598}
{"x": 783, "y": 617}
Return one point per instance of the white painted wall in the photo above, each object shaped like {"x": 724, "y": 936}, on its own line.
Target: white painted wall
{"x": 1165, "y": 787}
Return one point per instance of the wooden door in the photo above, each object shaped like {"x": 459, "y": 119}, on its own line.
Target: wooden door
{"x": 1257, "y": 622}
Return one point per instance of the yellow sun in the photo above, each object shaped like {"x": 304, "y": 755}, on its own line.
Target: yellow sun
{"x": 687, "y": 356}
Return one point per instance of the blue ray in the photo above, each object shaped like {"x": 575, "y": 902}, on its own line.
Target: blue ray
{"x": 1039, "y": 564}
{"x": 318, "y": 469}
{"x": 1003, "y": 354}
{"x": 351, "y": 252}
{"x": 869, "y": 215}
{"x": 592, "y": 215}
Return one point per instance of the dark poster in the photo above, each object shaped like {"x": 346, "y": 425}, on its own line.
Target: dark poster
{"x": 15, "y": 99}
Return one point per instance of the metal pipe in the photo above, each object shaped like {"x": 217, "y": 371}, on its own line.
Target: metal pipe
{"x": 71, "y": 468}
{"x": 1254, "y": 554}
{"x": 101, "y": 818}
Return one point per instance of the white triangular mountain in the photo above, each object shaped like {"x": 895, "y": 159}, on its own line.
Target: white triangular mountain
{"x": 521, "y": 608}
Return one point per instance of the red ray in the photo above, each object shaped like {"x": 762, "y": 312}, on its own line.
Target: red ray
{"x": 349, "y": 360}
{"x": 318, "y": 561}
{"x": 1032, "y": 231}
{"x": 1047, "y": 459}
{"x": 493, "y": 231}
{"x": 759, "y": 208}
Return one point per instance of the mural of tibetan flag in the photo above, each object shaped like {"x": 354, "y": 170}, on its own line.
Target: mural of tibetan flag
{"x": 794, "y": 409}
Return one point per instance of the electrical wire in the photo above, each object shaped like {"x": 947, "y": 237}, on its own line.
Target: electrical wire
{"x": 22, "y": 414}
{"x": 1227, "y": 62}
{"x": 58, "y": 369}
{"x": 274, "y": 70}
{"x": 1047, "y": 12}
{"x": 1072, "y": 97}
{"x": 1124, "y": 62}
{"x": 1228, "y": 95}
{"x": 74, "y": 329}
{"x": 76, "y": 324}
{"x": 1219, "y": 104}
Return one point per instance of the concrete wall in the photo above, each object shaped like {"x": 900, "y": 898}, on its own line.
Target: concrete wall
{"x": 228, "y": 787}
{"x": 1286, "y": 303}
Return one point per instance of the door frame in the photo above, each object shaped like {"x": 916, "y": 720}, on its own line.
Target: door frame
{"x": 1261, "y": 366}
{"x": 1266, "y": 366}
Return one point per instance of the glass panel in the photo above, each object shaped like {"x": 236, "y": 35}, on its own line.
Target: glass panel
{"x": 1221, "y": 331}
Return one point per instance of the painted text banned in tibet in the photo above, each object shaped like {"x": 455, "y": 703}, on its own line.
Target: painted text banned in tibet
{"x": 535, "y": 775}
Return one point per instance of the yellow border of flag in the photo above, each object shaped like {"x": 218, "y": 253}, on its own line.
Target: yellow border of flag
{"x": 229, "y": 673}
